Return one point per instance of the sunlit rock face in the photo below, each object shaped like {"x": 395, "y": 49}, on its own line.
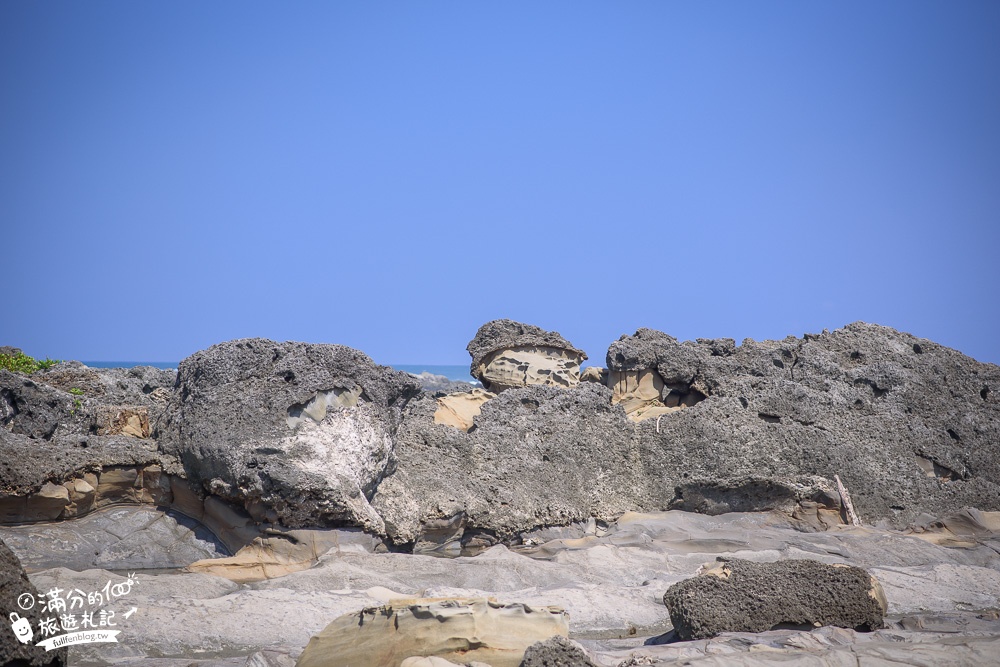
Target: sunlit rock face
{"x": 460, "y": 409}
{"x": 457, "y": 629}
{"x": 508, "y": 354}
{"x": 530, "y": 365}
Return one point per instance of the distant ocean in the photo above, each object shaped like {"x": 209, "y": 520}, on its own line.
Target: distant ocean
{"x": 450, "y": 372}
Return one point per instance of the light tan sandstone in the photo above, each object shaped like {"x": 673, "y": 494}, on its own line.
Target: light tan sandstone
{"x": 456, "y": 629}
{"x": 522, "y": 366}
{"x": 131, "y": 420}
{"x": 460, "y": 409}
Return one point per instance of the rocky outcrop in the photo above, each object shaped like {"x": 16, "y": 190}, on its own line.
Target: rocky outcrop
{"x": 763, "y": 426}
{"x": 909, "y": 426}
{"x": 19, "y": 631}
{"x": 538, "y": 456}
{"x": 508, "y": 354}
{"x": 139, "y": 385}
{"x": 294, "y": 433}
{"x": 459, "y": 630}
{"x": 743, "y": 596}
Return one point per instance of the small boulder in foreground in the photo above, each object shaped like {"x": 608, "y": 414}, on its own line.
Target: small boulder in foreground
{"x": 556, "y": 652}
{"x": 744, "y": 596}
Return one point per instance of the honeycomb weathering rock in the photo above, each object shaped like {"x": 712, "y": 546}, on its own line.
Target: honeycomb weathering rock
{"x": 744, "y": 596}
{"x": 508, "y": 354}
{"x": 457, "y": 629}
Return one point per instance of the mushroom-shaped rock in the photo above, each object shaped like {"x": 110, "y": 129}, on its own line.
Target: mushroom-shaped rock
{"x": 650, "y": 373}
{"x": 744, "y": 596}
{"x": 507, "y": 354}
{"x": 456, "y": 629}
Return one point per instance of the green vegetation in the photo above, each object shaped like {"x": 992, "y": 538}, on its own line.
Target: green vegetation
{"x": 76, "y": 391}
{"x": 22, "y": 363}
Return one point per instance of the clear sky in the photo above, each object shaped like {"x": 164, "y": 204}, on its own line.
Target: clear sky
{"x": 391, "y": 175}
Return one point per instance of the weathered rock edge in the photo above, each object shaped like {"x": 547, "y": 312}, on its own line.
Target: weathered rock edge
{"x": 14, "y": 583}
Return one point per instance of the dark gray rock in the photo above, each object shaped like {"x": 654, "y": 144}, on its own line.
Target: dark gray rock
{"x": 538, "y": 456}
{"x": 502, "y": 334}
{"x": 27, "y": 463}
{"x": 14, "y": 586}
{"x": 909, "y": 426}
{"x": 755, "y": 597}
{"x": 295, "y": 433}
{"x": 139, "y": 385}
{"x": 34, "y": 409}
{"x": 10, "y": 351}
{"x": 556, "y": 652}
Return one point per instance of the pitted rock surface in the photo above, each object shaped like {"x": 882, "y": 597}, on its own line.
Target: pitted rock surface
{"x": 743, "y": 596}
{"x": 13, "y": 585}
{"x": 556, "y": 652}
{"x": 292, "y": 432}
{"x": 507, "y": 354}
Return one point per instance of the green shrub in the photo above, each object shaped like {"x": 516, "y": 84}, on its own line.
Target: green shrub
{"x": 76, "y": 391}
{"x": 22, "y": 363}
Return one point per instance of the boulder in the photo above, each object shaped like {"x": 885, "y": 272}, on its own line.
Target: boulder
{"x": 294, "y": 433}
{"x": 456, "y": 629}
{"x": 743, "y": 596}
{"x": 556, "y": 651}
{"x": 538, "y": 456}
{"x": 507, "y": 354}
{"x": 19, "y": 606}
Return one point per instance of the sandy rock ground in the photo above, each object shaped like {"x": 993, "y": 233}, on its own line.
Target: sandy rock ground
{"x": 943, "y": 601}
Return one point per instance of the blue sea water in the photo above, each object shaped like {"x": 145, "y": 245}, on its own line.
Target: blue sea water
{"x": 451, "y": 372}
{"x": 129, "y": 364}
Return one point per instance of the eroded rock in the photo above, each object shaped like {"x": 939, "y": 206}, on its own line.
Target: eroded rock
{"x": 508, "y": 354}
{"x": 743, "y": 596}
{"x": 556, "y": 651}
{"x": 302, "y": 433}
{"x": 455, "y": 629}
{"x": 20, "y": 630}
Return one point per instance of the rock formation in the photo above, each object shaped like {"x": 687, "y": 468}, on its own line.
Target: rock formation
{"x": 18, "y": 615}
{"x": 743, "y": 596}
{"x": 909, "y": 426}
{"x": 293, "y": 433}
{"x": 556, "y": 652}
{"x": 507, "y": 354}
{"x": 459, "y": 630}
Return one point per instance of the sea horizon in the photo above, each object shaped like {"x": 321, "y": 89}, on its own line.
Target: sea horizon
{"x": 451, "y": 371}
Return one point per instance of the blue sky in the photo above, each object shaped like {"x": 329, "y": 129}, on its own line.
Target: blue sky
{"x": 391, "y": 175}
